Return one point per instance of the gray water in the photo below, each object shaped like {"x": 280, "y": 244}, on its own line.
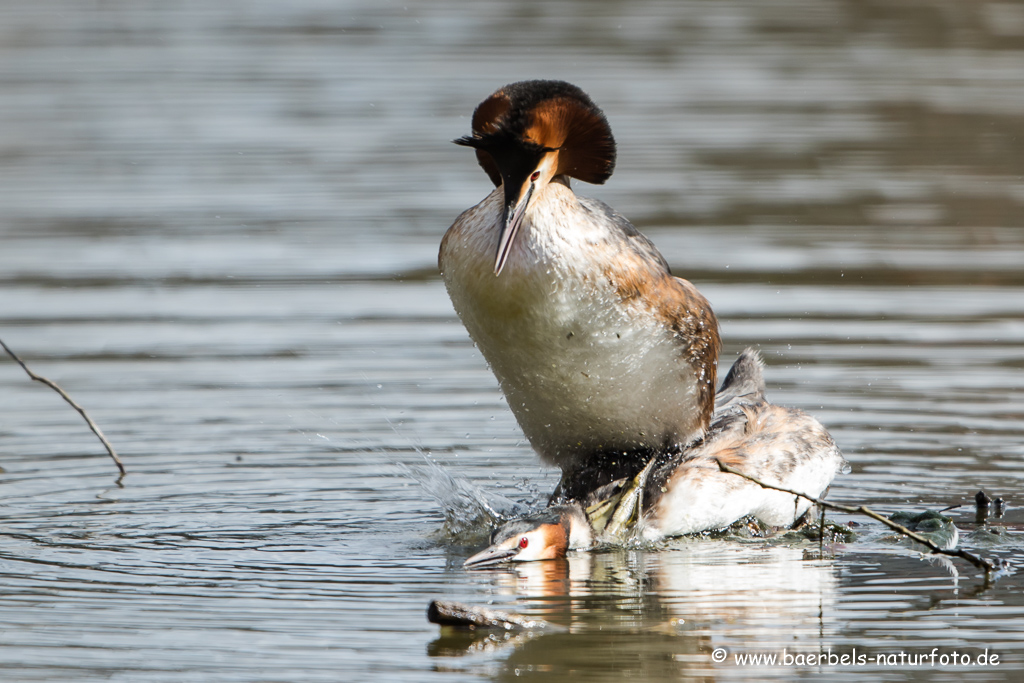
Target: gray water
{"x": 218, "y": 231}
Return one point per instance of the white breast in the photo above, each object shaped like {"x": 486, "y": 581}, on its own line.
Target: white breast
{"x": 581, "y": 369}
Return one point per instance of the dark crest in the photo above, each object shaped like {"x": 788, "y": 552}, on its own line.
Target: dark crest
{"x": 516, "y": 126}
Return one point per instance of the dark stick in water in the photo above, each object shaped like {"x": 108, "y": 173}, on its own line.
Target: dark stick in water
{"x": 53, "y": 385}
{"x": 448, "y": 613}
{"x": 980, "y": 562}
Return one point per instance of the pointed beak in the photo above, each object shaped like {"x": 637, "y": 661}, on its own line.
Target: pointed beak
{"x": 511, "y": 219}
{"x": 492, "y": 555}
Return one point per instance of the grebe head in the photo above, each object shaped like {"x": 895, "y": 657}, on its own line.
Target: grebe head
{"x": 545, "y": 535}
{"x": 532, "y": 132}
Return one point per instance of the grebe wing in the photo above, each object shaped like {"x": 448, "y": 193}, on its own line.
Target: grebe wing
{"x": 745, "y": 382}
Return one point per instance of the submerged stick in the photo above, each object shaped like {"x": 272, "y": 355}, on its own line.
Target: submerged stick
{"x": 88, "y": 420}
{"x": 980, "y": 562}
{"x": 458, "y": 615}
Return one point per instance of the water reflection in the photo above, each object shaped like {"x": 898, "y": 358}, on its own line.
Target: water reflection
{"x": 657, "y": 613}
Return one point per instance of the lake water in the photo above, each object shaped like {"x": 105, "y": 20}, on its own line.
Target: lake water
{"x": 218, "y": 231}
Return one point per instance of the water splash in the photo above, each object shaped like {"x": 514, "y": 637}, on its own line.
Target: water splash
{"x": 470, "y": 512}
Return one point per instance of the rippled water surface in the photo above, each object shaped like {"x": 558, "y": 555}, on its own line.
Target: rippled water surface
{"x": 218, "y": 231}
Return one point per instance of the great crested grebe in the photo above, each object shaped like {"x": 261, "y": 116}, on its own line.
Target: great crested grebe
{"x": 604, "y": 356}
{"x": 686, "y": 492}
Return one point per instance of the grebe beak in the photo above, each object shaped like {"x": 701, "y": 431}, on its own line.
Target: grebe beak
{"x": 511, "y": 219}
{"x": 490, "y": 556}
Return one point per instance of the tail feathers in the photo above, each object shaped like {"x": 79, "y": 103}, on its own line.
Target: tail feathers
{"x": 744, "y": 382}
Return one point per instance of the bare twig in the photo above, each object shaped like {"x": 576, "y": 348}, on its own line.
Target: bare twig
{"x": 980, "y": 562}
{"x": 88, "y": 420}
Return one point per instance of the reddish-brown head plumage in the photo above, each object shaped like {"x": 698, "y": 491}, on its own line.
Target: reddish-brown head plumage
{"x": 518, "y": 125}
{"x": 543, "y": 535}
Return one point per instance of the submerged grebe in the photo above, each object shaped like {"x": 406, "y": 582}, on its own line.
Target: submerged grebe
{"x": 605, "y": 358}
{"x": 686, "y": 492}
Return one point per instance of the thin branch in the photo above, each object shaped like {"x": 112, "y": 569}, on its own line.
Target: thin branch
{"x": 980, "y": 562}
{"x": 53, "y": 385}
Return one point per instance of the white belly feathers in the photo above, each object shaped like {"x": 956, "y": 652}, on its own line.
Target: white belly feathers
{"x": 581, "y": 370}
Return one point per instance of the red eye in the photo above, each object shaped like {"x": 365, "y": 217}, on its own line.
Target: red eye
{"x": 523, "y": 542}
{"x": 536, "y": 174}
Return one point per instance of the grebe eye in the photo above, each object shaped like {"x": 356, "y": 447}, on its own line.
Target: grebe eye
{"x": 523, "y": 542}
{"x": 536, "y": 174}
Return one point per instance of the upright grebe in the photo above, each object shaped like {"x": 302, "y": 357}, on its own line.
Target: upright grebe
{"x": 604, "y": 357}
{"x": 683, "y": 493}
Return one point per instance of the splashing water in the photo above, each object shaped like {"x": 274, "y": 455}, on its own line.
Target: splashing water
{"x": 469, "y": 511}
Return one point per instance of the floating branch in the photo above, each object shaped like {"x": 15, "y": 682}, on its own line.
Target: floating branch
{"x": 459, "y": 615}
{"x": 980, "y": 562}
{"x": 88, "y": 420}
